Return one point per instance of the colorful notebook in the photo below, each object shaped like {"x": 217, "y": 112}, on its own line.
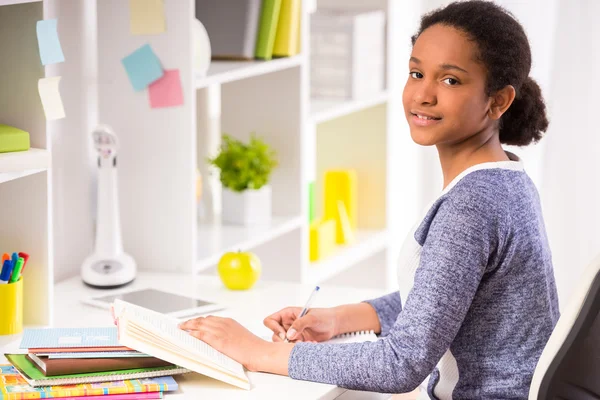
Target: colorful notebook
{"x": 51, "y": 339}
{"x": 14, "y": 387}
{"x": 35, "y": 377}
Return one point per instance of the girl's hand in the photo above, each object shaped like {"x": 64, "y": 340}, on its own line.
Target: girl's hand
{"x": 228, "y": 337}
{"x": 318, "y": 325}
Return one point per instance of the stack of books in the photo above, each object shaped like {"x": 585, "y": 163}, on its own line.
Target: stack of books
{"x": 140, "y": 355}
{"x": 255, "y": 29}
{"x": 89, "y": 358}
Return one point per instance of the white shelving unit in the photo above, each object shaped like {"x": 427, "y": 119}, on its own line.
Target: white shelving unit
{"x": 25, "y": 193}
{"x": 221, "y": 72}
{"x": 160, "y": 152}
{"x": 23, "y": 163}
{"x": 367, "y": 243}
{"x": 326, "y": 110}
{"x": 216, "y": 238}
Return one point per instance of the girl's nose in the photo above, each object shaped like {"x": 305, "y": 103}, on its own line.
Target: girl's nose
{"x": 425, "y": 93}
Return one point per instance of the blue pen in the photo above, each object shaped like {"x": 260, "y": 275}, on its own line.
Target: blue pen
{"x": 6, "y": 271}
{"x": 15, "y": 258}
{"x": 306, "y": 306}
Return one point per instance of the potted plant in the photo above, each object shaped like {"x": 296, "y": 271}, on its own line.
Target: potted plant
{"x": 245, "y": 169}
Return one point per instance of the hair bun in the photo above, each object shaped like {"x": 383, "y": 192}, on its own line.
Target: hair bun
{"x": 525, "y": 120}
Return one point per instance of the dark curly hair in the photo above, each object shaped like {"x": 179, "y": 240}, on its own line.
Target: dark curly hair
{"x": 504, "y": 50}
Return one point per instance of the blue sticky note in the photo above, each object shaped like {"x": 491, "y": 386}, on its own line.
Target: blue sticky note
{"x": 143, "y": 67}
{"x": 48, "y": 42}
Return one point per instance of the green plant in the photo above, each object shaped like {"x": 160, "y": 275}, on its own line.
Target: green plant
{"x": 244, "y": 166}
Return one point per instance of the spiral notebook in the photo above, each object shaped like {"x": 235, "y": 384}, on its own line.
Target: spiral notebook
{"x": 354, "y": 337}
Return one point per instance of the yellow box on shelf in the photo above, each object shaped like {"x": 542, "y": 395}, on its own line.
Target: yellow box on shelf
{"x": 340, "y": 185}
{"x": 322, "y": 239}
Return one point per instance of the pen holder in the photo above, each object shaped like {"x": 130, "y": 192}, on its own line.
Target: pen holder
{"x": 11, "y": 302}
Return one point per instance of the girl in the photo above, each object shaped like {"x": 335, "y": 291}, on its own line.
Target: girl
{"x": 477, "y": 299}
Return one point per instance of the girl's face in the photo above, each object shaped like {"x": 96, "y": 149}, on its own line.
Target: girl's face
{"x": 444, "y": 97}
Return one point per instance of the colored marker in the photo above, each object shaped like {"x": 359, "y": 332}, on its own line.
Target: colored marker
{"x": 6, "y": 270}
{"x": 16, "y": 273}
{"x": 25, "y": 257}
{"x": 5, "y": 257}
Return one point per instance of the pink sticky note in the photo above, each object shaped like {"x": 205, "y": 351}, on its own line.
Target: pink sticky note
{"x": 166, "y": 91}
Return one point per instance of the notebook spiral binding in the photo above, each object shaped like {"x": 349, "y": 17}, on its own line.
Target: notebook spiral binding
{"x": 354, "y": 334}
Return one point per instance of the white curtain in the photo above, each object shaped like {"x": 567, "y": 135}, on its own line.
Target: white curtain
{"x": 565, "y": 165}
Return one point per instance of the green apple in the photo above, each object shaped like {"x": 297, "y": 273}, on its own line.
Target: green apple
{"x": 239, "y": 270}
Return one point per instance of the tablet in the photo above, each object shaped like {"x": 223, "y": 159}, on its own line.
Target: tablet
{"x": 167, "y": 303}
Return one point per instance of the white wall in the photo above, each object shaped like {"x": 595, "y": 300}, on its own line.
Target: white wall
{"x": 571, "y": 184}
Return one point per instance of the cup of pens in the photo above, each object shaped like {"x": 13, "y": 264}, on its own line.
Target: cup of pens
{"x": 11, "y": 293}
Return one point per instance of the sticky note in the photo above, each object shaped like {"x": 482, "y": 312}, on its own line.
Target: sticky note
{"x": 166, "y": 92}
{"x": 51, "y": 100}
{"x": 48, "y": 42}
{"x": 143, "y": 67}
{"x": 146, "y": 17}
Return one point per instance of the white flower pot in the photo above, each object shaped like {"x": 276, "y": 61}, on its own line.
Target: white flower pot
{"x": 250, "y": 207}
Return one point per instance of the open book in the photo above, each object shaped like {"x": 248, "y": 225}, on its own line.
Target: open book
{"x": 156, "y": 334}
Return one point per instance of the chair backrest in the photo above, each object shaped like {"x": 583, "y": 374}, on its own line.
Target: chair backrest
{"x": 569, "y": 367}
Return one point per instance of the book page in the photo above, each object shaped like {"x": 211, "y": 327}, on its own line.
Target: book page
{"x": 166, "y": 328}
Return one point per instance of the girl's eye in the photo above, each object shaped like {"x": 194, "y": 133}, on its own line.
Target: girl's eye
{"x": 416, "y": 75}
{"x": 451, "y": 81}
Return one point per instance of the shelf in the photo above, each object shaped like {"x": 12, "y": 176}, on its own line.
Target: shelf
{"x": 216, "y": 238}
{"x": 11, "y": 2}
{"x": 368, "y": 243}
{"x": 229, "y": 71}
{"x": 22, "y": 163}
{"x": 325, "y": 110}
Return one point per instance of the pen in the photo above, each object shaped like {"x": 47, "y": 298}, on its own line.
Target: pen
{"x": 16, "y": 274}
{"x": 6, "y": 270}
{"x": 307, "y": 306}
{"x": 5, "y": 257}
{"x": 25, "y": 258}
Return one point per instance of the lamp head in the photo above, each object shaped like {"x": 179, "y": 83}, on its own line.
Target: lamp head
{"x": 105, "y": 141}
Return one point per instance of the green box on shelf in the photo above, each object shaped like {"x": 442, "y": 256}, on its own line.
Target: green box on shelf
{"x": 13, "y": 139}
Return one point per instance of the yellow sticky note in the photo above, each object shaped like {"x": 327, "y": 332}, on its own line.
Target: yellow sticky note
{"x": 147, "y": 17}
{"x": 51, "y": 100}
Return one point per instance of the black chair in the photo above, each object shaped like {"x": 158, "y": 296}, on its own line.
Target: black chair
{"x": 569, "y": 367}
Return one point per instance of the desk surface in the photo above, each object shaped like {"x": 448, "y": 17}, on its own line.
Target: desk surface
{"x": 247, "y": 307}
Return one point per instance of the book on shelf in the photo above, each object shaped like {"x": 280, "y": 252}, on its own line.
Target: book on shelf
{"x": 255, "y": 29}
{"x": 13, "y": 386}
{"x": 158, "y": 335}
{"x": 267, "y": 29}
{"x": 232, "y": 27}
{"x": 287, "y": 38}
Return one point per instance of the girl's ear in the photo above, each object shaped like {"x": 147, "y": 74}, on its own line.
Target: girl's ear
{"x": 501, "y": 100}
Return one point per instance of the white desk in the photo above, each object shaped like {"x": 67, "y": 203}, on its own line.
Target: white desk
{"x": 247, "y": 307}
